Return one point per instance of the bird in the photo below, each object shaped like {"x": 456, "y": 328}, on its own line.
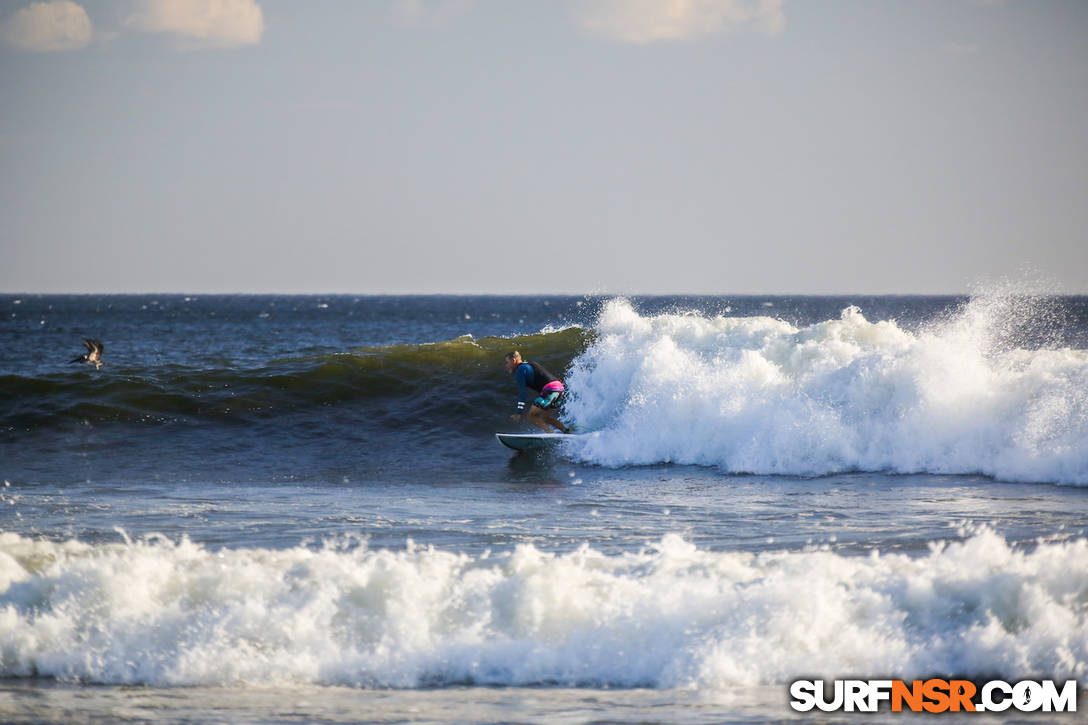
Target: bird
{"x": 93, "y": 354}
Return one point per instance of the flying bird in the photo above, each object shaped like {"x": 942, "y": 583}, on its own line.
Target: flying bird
{"x": 93, "y": 354}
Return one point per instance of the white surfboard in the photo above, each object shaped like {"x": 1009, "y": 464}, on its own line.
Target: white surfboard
{"x": 532, "y": 441}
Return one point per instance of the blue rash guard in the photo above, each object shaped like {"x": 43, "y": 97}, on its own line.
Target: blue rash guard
{"x": 531, "y": 375}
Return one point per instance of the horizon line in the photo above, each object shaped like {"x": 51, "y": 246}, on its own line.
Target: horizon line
{"x": 526, "y": 294}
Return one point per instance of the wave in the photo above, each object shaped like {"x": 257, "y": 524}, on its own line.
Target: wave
{"x": 985, "y": 389}
{"x": 465, "y": 372}
{"x": 163, "y": 612}
{"x": 960, "y": 395}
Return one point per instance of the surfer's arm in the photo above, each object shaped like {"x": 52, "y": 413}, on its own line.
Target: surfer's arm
{"x": 524, "y": 372}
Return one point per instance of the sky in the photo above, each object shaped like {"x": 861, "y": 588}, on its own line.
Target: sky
{"x": 545, "y": 146}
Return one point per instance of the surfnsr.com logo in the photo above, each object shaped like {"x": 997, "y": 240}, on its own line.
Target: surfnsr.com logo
{"x": 933, "y": 695}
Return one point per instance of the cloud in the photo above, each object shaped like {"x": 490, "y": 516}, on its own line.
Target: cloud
{"x": 48, "y": 26}
{"x": 215, "y": 23}
{"x": 654, "y": 21}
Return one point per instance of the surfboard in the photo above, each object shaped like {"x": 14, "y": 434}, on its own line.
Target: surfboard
{"x": 533, "y": 441}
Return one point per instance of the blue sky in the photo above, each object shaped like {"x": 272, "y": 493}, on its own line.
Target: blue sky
{"x": 572, "y": 146}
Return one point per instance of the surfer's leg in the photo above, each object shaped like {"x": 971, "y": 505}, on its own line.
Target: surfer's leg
{"x": 551, "y": 410}
{"x": 545, "y": 419}
{"x": 555, "y": 422}
{"x": 536, "y": 417}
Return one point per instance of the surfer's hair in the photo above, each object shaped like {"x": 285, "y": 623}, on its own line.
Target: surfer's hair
{"x": 512, "y": 354}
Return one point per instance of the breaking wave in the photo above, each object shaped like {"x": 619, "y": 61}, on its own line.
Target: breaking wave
{"x": 165, "y": 612}
{"x": 960, "y": 395}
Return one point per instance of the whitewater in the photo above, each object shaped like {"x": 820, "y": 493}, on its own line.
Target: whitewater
{"x": 760, "y": 395}
{"x": 166, "y": 613}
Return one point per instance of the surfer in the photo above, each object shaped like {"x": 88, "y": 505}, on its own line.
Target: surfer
{"x": 543, "y": 411}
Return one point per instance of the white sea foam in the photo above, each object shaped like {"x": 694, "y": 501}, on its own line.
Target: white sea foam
{"x": 758, "y": 395}
{"x": 175, "y": 613}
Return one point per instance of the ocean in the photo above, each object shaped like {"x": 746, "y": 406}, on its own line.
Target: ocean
{"x": 275, "y": 509}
